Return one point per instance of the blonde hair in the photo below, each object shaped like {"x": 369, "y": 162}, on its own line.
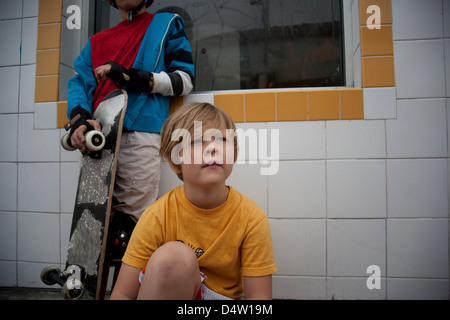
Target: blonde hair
{"x": 184, "y": 118}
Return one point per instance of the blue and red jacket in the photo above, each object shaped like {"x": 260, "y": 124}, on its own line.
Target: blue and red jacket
{"x": 153, "y": 43}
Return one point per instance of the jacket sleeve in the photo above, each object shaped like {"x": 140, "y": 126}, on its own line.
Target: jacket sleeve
{"x": 179, "y": 79}
{"x": 82, "y": 86}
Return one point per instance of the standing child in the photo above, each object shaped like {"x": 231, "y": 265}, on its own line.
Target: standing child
{"x": 203, "y": 239}
{"x": 150, "y": 57}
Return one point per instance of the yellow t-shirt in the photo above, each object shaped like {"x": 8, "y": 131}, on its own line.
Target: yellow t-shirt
{"x": 230, "y": 241}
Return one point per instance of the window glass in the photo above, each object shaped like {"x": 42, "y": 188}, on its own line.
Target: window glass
{"x": 256, "y": 44}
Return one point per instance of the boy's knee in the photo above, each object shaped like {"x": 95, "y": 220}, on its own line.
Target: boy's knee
{"x": 173, "y": 257}
{"x": 171, "y": 273}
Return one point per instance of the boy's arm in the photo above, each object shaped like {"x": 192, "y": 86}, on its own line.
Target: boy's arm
{"x": 167, "y": 84}
{"x": 83, "y": 85}
{"x": 79, "y": 98}
{"x": 257, "y": 258}
{"x": 127, "y": 284}
{"x": 179, "y": 78}
{"x": 258, "y": 288}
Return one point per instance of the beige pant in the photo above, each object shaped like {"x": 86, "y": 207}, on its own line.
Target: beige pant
{"x": 138, "y": 172}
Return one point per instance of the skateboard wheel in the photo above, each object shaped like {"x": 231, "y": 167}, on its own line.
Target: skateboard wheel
{"x": 65, "y": 143}
{"x": 73, "y": 289}
{"x": 95, "y": 140}
{"x": 46, "y": 275}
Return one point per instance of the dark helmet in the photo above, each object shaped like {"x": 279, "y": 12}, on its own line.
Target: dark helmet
{"x": 148, "y": 3}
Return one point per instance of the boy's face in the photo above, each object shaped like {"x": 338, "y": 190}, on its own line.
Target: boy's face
{"x": 210, "y": 159}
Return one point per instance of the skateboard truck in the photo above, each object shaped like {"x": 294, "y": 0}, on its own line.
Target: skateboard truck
{"x": 95, "y": 140}
{"x": 122, "y": 239}
{"x": 120, "y": 244}
{"x": 70, "y": 280}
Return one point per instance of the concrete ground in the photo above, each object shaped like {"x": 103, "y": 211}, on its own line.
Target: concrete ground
{"x": 31, "y": 294}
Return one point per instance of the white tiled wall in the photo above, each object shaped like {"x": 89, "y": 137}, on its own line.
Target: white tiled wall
{"x": 417, "y": 188}
{"x": 419, "y": 130}
{"x": 347, "y": 194}
{"x": 302, "y": 184}
{"x": 353, "y": 245}
{"x": 413, "y": 21}
{"x": 356, "y": 139}
{"x": 419, "y": 57}
{"x": 380, "y": 103}
{"x": 356, "y": 188}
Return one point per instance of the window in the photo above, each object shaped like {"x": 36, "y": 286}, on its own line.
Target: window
{"x": 256, "y": 44}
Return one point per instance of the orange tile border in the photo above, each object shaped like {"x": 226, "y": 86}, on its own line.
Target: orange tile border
{"x": 47, "y": 88}
{"x": 378, "y": 71}
{"x": 47, "y": 62}
{"x": 352, "y": 104}
{"x": 49, "y": 36}
{"x": 323, "y": 104}
{"x": 175, "y": 103}
{"x": 231, "y": 103}
{"x": 260, "y": 106}
{"x": 377, "y": 42}
{"x": 50, "y": 11}
{"x": 377, "y": 45}
{"x": 385, "y": 11}
{"x": 292, "y": 105}
{"x": 61, "y": 116}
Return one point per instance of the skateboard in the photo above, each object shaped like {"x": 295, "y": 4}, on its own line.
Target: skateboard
{"x": 87, "y": 264}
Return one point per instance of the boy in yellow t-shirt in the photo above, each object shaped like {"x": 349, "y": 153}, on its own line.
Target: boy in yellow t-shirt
{"x": 202, "y": 240}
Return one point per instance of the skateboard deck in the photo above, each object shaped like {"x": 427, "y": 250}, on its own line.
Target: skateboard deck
{"x": 87, "y": 247}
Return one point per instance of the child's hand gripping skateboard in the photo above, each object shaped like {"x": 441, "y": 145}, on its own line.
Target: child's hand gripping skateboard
{"x": 87, "y": 136}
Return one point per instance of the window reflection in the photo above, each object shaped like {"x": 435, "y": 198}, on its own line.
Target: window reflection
{"x": 253, "y": 44}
